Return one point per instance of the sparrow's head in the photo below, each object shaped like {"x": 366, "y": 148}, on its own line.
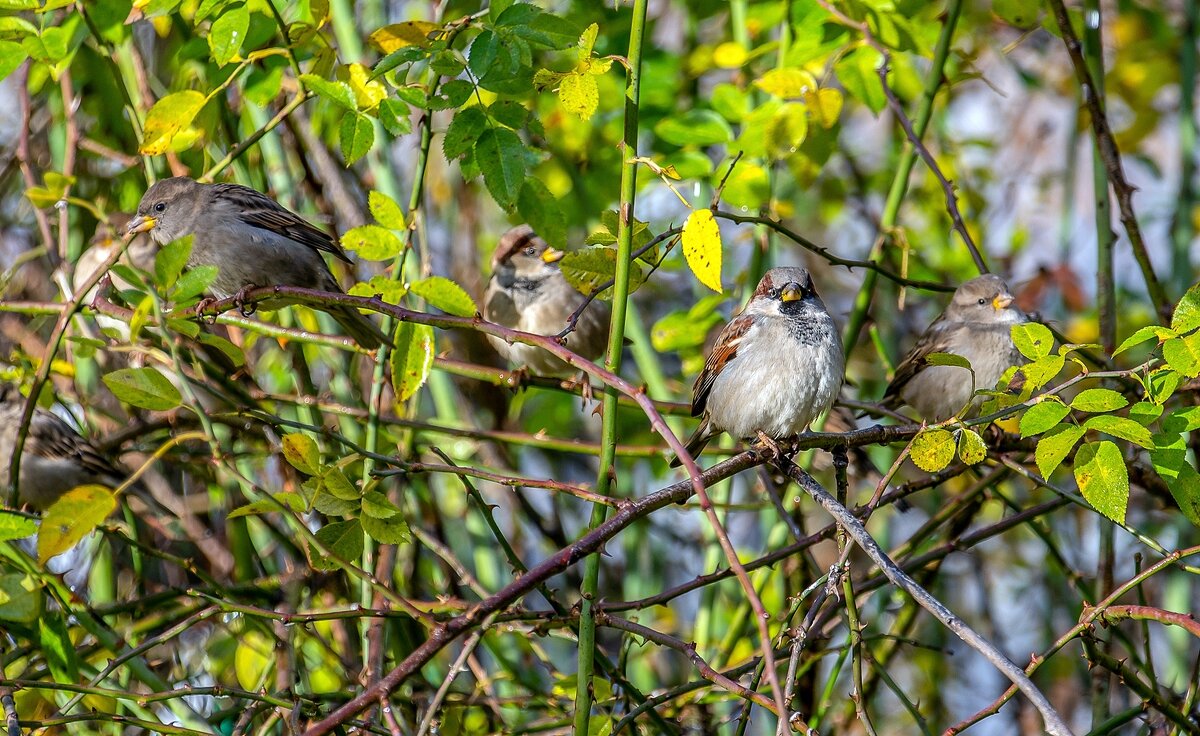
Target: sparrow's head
{"x": 786, "y": 290}
{"x": 169, "y": 210}
{"x": 984, "y": 298}
{"x": 521, "y": 254}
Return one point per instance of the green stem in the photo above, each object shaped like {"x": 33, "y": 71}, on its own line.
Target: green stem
{"x": 1184, "y": 231}
{"x": 1093, "y": 51}
{"x": 616, "y": 340}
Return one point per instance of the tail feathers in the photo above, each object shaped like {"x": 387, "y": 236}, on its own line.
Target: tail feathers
{"x": 696, "y": 443}
{"x": 365, "y": 332}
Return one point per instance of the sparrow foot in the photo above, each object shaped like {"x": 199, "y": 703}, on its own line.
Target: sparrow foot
{"x": 244, "y": 306}
{"x": 518, "y": 378}
{"x": 773, "y": 448}
{"x": 202, "y": 305}
{"x": 583, "y": 383}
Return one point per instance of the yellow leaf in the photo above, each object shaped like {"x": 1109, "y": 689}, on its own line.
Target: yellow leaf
{"x": 168, "y": 116}
{"x": 399, "y": 35}
{"x": 579, "y": 94}
{"x": 729, "y": 55}
{"x": 71, "y": 517}
{"x": 826, "y": 105}
{"x": 367, "y": 92}
{"x": 789, "y": 128}
{"x": 702, "y": 248}
{"x": 787, "y": 82}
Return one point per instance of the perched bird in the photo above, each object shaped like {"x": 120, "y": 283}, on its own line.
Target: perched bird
{"x": 251, "y": 239}
{"x": 528, "y": 292}
{"x": 774, "y": 369}
{"x": 54, "y": 459}
{"x": 977, "y": 326}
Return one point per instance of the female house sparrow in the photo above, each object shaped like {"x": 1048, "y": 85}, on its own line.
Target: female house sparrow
{"x": 977, "y": 326}
{"x": 54, "y": 460}
{"x": 528, "y": 292}
{"x": 774, "y": 369}
{"x": 251, "y": 239}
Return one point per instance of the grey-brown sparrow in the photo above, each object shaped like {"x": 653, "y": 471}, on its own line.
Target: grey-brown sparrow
{"x": 528, "y": 292}
{"x": 251, "y": 239}
{"x": 975, "y": 325}
{"x": 774, "y": 368}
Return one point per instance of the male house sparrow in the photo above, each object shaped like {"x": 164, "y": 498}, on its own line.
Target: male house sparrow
{"x": 528, "y": 292}
{"x": 251, "y": 239}
{"x": 774, "y": 369}
{"x": 54, "y": 459}
{"x": 977, "y": 326}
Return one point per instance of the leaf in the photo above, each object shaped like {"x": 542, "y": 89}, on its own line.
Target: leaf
{"x": 1042, "y": 416}
{"x": 701, "y": 241}
{"x": 579, "y": 94}
{"x": 394, "y": 114}
{"x": 377, "y": 505}
{"x": 1042, "y": 371}
{"x": 729, "y": 102}
{"x": 857, "y": 72}
{"x": 971, "y": 449}
{"x": 542, "y": 210}
{"x": 301, "y": 452}
{"x": 55, "y": 644}
{"x": 251, "y": 658}
{"x": 194, "y": 282}
{"x": 933, "y": 449}
{"x": 227, "y": 34}
{"x": 170, "y": 260}
{"x": 1103, "y": 478}
{"x": 788, "y": 82}
{"x": 372, "y": 242}
{"x": 335, "y": 482}
{"x": 398, "y": 35}
{"x": 1055, "y": 445}
{"x": 143, "y": 387}
{"x": 72, "y": 517}
{"x": 14, "y": 526}
{"x": 446, "y": 295}
{"x": 587, "y": 269}
{"x": 382, "y": 286}
{"x": 694, "y": 128}
{"x": 167, "y": 117}
{"x": 1099, "y": 399}
{"x": 1137, "y": 338}
{"x": 949, "y": 359}
{"x": 385, "y": 210}
{"x": 392, "y": 530}
{"x": 464, "y": 130}
{"x": 1183, "y": 354}
{"x": 679, "y": 330}
{"x": 1144, "y": 413}
{"x": 1187, "y": 312}
{"x": 20, "y": 598}
{"x": 339, "y": 93}
{"x": 826, "y": 106}
{"x": 411, "y": 359}
{"x": 356, "y": 136}
{"x": 1019, "y": 13}
{"x": 343, "y": 539}
{"x": 1170, "y": 460}
{"x": 1161, "y": 384}
{"x": 748, "y": 186}
{"x": 277, "y": 501}
{"x": 501, "y": 156}
{"x": 12, "y": 55}
{"x": 1121, "y": 428}
{"x": 1032, "y": 339}
{"x": 368, "y": 93}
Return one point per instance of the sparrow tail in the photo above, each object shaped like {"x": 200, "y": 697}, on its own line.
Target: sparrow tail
{"x": 364, "y": 331}
{"x": 695, "y": 444}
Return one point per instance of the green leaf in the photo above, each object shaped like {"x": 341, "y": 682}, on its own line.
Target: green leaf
{"x": 501, "y": 156}
{"x": 392, "y": 530}
{"x": 446, "y": 295}
{"x": 1103, "y": 478}
{"x": 335, "y": 482}
{"x": 167, "y": 117}
{"x": 579, "y": 94}
{"x": 20, "y": 598}
{"x": 1019, "y": 13}
{"x": 1099, "y": 399}
{"x": 382, "y": 286}
{"x": 1182, "y": 420}
{"x": 227, "y": 34}
{"x": 701, "y": 242}
{"x": 950, "y": 359}
{"x": 971, "y": 449}
{"x": 1152, "y": 331}
{"x": 72, "y": 517}
{"x": 1170, "y": 460}
{"x": 1183, "y": 354}
{"x": 1187, "y": 311}
{"x": 277, "y": 501}
{"x": 1042, "y": 371}
{"x": 170, "y": 260}
{"x": 411, "y": 359}
{"x": 194, "y": 282}
{"x": 344, "y": 539}
{"x": 730, "y": 102}
{"x": 356, "y": 136}
{"x": 14, "y": 526}
{"x": 694, "y": 128}
{"x": 1121, "y": 428}
{"x": 385, "y": 210}
{"x": 1042, "y": 416}
{"x": 372, "y": 242}
{"x": 251, "y": 658}
{"x": 377, "y": 505}
{"x": 339, "y": 93}
{"x": 683, "y": 329}
{"x": 12, "y": 55}
{"x": 1161, "y": 384}
{"x": 464, "y": 130}
{"x": 55, "y": 644}
{"x": 301, "y": 452}
{"x": 394, "y": 115}
{"x": 857, "y": 73}
{"x": 933, "y": 449}
{"x": 587, "y": 269}
{"x": 1144, "y": 413}
{"x": 1032, "y": 339}
{"x": 748, "y": 186}
{"x": 544, "y": 213}
{"x": 143, "y": 387}
{"x": 1055, "y": 445}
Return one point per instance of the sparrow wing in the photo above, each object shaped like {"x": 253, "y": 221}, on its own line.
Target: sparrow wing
{"x": 722, "y": 353}
{"x": 258, "y": 210}
{"x": 51, "y": 437}
{"x": 932, "y": 340}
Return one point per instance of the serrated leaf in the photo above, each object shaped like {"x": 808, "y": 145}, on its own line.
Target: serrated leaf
{"x": 544, "y": 213}
{"x": 1099, "y": 399}
{"x": 1161, "y": 383}
{"x": 394, "y": 115}
{"x": 167, "y": 117}
{"x": 343, "y": 539}
{"x": 72, "y": 517}
{"x": 1033, "y": 340}
{"x": 1180, "y": 420}
{"x": 1042, "y": 416}
{"x": 301, "y": 452}
{"x": 194, "y": 282}
{"x": 857, "y": 72}
{"x": 1187, "y": 312}
{"x": 398, "y": 35}
{"x": 933, "y": 449}
{"x": 680, "y": 330}
{"x": 1121, "y": 428}
{"x": 1042, "y": 371}
{"x": 356, "y": 136}
{"x": 385, "y": 210}
{"x": 1055, "y": 445}
{"x": 694, "y": 128}
{"x": 589, "y": 268}
{"x": 579, "y": 94}
{"x": 335, "y": 482}
{"x": 971, "y": 449}
{"x": 382, "y": 286}
{"x": 143, "y": 387}
{"x": 54, "y": 642}
{"x": 392, "y": 530}
{"x": 227, "y": 34}
{"x": 1183, "y": 354}
{"x": 1103, "y": 478}
{"x": 1170, "y": 460}
{"x": 14, "y": 526}
{"x": 701, "y": 240}
{"x": 377, "y": 505}
{"x": 411, "y": 359}
{"x": 20, "y": 598}
{"x": 372, "y": 242}
{"x": 464, "y": 130}
{"x": 12, "y": 55}
{"x": 1145, "y": 413}
{"x": 1157, "y": 332}
{"x": 501, "y": 156}
{"x": 339, "y": 93}
{"x": 446, "y": 295}
{"x": 368, "y": 93}
{"x": 284, "y": 499}
{"x": 170, "y": 260}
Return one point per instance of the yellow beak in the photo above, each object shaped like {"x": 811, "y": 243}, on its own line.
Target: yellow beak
{"x": 141, "y": 224}
{"x": 552, "y": 256}
{"x": 791, "y": 293}
{"x": 1002, "y": 301}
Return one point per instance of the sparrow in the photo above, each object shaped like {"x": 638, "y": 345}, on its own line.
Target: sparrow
{"x": 977, "y": 326}
{"x": 251, "y": 239}
{"x": 528, "y": 292}
{"x": 774, "y": 368}
{"x": 54, "y": 459}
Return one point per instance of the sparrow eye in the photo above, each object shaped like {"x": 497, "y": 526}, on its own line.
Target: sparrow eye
{"x": 773, "y": 293}
{"x": 983, "y": 301}
{"x": 531, "y": 251}
{"x": 160, "y": 206}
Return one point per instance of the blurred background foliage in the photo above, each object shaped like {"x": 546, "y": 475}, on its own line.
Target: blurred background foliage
{"x": 318, "y": 536}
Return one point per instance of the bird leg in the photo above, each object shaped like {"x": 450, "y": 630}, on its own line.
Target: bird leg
{"x": 245, "y": 307}
{"x": 776, "y": 452}
{"x": 204, "y": 304}
{"x": 583, "y": 383}
{"x": 517, "y": 378}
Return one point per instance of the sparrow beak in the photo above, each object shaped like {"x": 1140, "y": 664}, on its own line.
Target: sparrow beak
{"x": 141, "y": 224}
{"x": 552, "y": 256}
{"x": 1002, "y": 301}
{"x": 792, "y": 292}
